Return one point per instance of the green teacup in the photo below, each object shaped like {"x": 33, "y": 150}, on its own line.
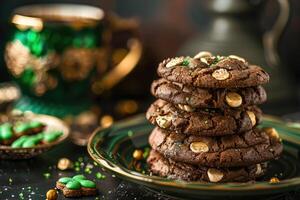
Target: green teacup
{"x": 59, "y": 53}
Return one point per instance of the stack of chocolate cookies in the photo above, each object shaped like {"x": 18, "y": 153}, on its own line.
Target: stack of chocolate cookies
{"x": 206, "y": 118}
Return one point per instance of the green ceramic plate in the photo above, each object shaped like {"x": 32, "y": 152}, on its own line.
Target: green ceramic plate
{"x": 112, "y": 148}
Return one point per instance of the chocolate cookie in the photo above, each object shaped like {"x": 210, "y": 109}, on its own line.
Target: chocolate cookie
{"x": 187, "y": 172}
{"x": 196, "y": 97}
{"x": 252, "y": 147}
{"x": 203, "y": 122}
{"x": 206, "y": 70}
{"x": 76, "y": 186}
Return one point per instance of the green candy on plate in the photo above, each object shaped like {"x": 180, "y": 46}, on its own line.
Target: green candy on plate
{"x": 32, "y": 141}
{"x": 35, "y": 124}
{"x": 19, "y": 142}
{"x": 65, "y": 180}
{"x": 52, "y": 136}
{"x": 21, "y": 127}
{"x": 6, "y": 132}
{"x": 79, "y": 177}
{"x": 73, "y": 185}
{"x": 87, "y": 183}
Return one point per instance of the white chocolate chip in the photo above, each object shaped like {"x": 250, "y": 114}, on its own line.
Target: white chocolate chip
{"x": 164, "y": 121}
{"x": 237, "y": 58}
{"x": 220, "y": 74}
{"x": 214, "y": 175}
{"x": 233, "y": 99}
{"x": 252, "y": 117}
{"x": 198, "y": 147}
{"x": 258, "y": 169}
{"x": 174, "y": 62}
{"x": 204, "y": 60}
{"x": 186, "y": 108}
{"x": 272, "y": 132}
{"x": 203, "y": 54}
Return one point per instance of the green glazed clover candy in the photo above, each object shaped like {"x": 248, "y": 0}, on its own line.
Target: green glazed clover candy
{"x": 79, "y": 177}
{"x": 31, "y": 141}
{"x": 52, "y": 136}
{"x": 64, "y": 180}
{"x": 24, "y": 126}
{"x": 19, "y": 142}
{"x": 35, "y": 124}
{"x": 6, "y": 132}
{"x": 73, "y": 185}
{"x": 87, "y": 183}
{"x": 21, "y": 127}
{"x": 28, "y": 143}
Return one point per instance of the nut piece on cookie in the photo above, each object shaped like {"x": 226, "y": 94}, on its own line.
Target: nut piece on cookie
{"x": 221, "y": 74}
{"x": 174, "y": 62}
{"x": 214, "y": 175}
{"x": 198, "y": 147}
{"x": 252, "y": 117}
{"x": 164, "y": 121}
{"x": 186, "y": 108}
{"x": 272, "y": 132}
{"x": 237, "y": 58}
{"x": 258, "y": 169}
{"x": 233, "y": 99}
{"x": 202, "y": 54}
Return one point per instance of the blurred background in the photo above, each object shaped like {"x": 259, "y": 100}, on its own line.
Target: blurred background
{"x": 264, "y": 32}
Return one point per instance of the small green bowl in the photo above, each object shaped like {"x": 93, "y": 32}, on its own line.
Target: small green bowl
{"x": 112, "y": 148}
{"x": 52, "y": 124}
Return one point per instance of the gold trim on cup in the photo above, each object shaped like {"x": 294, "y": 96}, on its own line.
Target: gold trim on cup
{"x": 77, "y": 16}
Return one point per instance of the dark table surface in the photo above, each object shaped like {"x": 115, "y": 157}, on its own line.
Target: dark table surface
{"x": 26, "y": 179}
{"x": 31, "y": 179}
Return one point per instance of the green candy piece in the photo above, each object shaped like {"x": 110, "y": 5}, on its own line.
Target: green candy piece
{"x": 52, "y": 136}
{"x": 19, "y": 142}
{"x": 87, "y": 183}
{"x": 64, "y": 180}
{"x": 6, "y": 132}
{"x": 33, "y": 140}
{"x": 24, "y": 126}
{"x": 79, "y": 177}
{"x": 73, "y": 185}
{"x": 21, "y": 127}
{"x": 35, "y": 124}
{"x": 28, "y": 143}
{"x": 38, "y": 137}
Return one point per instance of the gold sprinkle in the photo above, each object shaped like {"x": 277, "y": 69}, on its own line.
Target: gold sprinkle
{"x": 106, "y": 121}
{"x": 274, "y": 180}
{"x": 51, "y": 194}
{"x": 137, "y": 154}
{"x": 64, "y": 164}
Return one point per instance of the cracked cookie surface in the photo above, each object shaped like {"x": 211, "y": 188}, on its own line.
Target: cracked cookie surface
{"x": 196, "y": 97}
{"x": 251, "y": 147}
{"x": 204, "y": 122}
{"x": 174, "y": 170}
{"x": 212, "y": 72}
